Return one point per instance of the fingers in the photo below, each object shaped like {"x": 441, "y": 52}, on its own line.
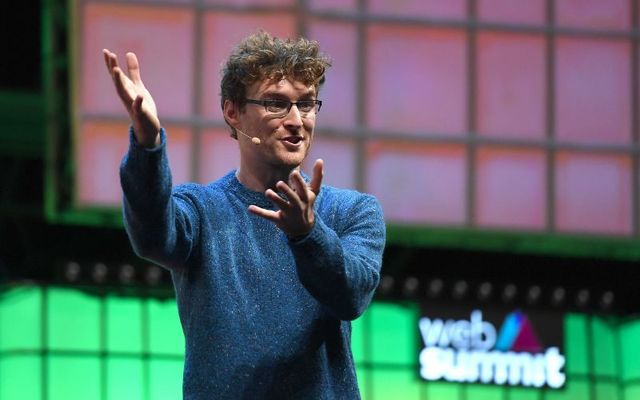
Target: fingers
{"x": 273, "y": 216}
{"x": 318, "y": 174}
{"x": 299, "y": 186}
{"x": 133, "y": 67}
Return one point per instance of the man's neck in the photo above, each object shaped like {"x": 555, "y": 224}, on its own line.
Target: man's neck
{"x": 260, "y": 181}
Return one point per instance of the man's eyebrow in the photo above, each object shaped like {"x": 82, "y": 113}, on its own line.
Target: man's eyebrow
{"x": 281, "y": 96}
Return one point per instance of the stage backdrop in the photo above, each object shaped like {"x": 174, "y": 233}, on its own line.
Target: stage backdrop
{"x": 465, "y": 118}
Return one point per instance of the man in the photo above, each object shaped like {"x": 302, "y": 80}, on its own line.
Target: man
{"x": 268, "y": 267}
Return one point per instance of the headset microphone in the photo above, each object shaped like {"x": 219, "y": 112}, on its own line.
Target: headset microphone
{"x": 254, "y": 140}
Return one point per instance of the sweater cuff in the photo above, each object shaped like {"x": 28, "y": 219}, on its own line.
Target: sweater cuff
{"x": 135, "y": 146}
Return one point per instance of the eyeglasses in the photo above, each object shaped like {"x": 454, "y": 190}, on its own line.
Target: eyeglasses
{"x": 281, "y": 108}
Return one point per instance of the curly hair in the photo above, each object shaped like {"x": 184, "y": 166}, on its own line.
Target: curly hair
{"x": 262, "y": 56}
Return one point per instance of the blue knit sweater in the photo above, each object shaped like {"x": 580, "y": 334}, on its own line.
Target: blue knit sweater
{"x": 264, "y": 317}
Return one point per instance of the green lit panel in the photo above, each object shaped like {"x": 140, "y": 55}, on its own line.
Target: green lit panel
{"x": 606, "y": 391}
{"x": 575, "y": 343}
{"x": 396, "y": 384}
{"x": 629, "y": 338}
{"x": 20, "y": 377}
{"x": 604, "y": 349}
{"x": 124, "y": 324}
{"x": 575, "y": 389}
{"x": 524, "y": 393}
{"x": 442, "y": 390}
{"x": 74, "y": 378}
{"x": 363, "y": 375}
{"x": 165, "y": 331}
{"x": 632, "y": 392}
{"x": 165, "y": 379}
{"x": 394, "y": 333}
{"x": 358, "y": 334}
{"x": 125, "y": 378}
{"x": 20, "y": 319}
{"x": 73, "y": 320}
{"x": 485, "y": 392}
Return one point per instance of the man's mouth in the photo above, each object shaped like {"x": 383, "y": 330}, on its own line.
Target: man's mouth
{"x": 293, "y": 139}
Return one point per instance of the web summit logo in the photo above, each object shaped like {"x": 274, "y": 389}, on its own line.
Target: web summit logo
{"x": 471, "y": 351}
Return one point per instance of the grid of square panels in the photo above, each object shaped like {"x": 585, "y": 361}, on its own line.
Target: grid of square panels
{"x": 479, "y": 114}
{"x": 65, "y": 343}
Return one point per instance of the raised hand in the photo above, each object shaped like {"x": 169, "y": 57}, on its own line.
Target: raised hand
{"x": 295, "y": 215}
{"x": 136, "y": 98}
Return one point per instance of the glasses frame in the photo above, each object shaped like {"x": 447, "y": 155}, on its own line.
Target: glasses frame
{"x": 266, "y": 102}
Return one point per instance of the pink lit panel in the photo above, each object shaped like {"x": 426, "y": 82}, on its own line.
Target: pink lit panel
{"x": 339, "y": 161}
{"x": 593, "y": 193}
{"x": 219, "y": 154}
{"x": 179, "y": 150}
{"x": 238, "y": 3}
{"x": 416, "y": 80}
{"x": 222, "y": 31}
{"x": 610, "y": 14}
{"x": 333, "y": 5}
{"x": 510, "y": 188}
{"x": 162, "y": 38}
{"x": 420, "y": 8}
{"x": 512, "y": 12}
{"x": 338, "y": 41}
{"x": 418, "y": 183}
{"x": 511, "y": 85}
{"x": 593, "y": 91}
{"x": 99, "y": 151}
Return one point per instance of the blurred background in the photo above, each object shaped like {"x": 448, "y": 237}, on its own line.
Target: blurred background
{"x": 501, "y": 137}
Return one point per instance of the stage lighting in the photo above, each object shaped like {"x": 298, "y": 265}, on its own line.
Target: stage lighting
{"x": 533, "y": 294}
{"x": 484, "y": 291}
{"x": 99, "y": 272}
{"x": 434, "y": 288}
{"x": 410, "y": 287}
{"x": 509, "y": 292}
{"x": 72, "y": 271}
{"x": 126, "y": 274}
{"x": 606, "y": 300}
{"x": 558, "y": 296}
{"x": 153, "y": 275}
{"x": 582, "y": 298}
{"x": 460, "y": 289}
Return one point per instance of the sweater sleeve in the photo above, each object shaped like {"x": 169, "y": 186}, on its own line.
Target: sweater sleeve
{"x": 342, "y": 270}
{"x": 162, "y": 226}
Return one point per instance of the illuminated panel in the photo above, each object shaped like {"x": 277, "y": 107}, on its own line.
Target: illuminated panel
{"x": 418, "y": 183}
{"x": 165, "y": 379}
{"x": 338, "y": 40}
{"x": 20, "y": 377}
{"x": 219, "y": 154}
{"x": 339, "y": 161}
{"x": 396, "y": 384}
{"x": 101, "y": 147}
{"x": 77, "y": 330}
{"x": 125, "y": 379}
{"x": 604, "y": 354}
{"x": 222, "y": 32}
{"x": 20, "y": 320}
{"x": 240, "y": 3}
{"x": 73, "y": 377}
{"x": 511, "y": 85}
{"x": 511, "y": 12}
{"x": 161, "y": 38}
{"x": 593, "y": 193}
{"x": 420, "y": 8}
{"x": 333, "y": 5}
{"x": 510, "y": 189}
{"x": 630, "y": 367}
{"x": 393, "y": 323}
{"x": 166, "y": 337}
{"x": 123, "y": 324}
{"x": 485, "y": 392}
{"x": 593, "y": 91}
{"x": 417, "y": 79}
{"x": 610, "y": 14}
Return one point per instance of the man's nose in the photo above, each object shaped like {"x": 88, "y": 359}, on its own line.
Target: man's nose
{"x": 293, "y": 117}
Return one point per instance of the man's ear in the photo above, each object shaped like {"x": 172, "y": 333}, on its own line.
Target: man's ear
{"x": 231, "y": 113}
